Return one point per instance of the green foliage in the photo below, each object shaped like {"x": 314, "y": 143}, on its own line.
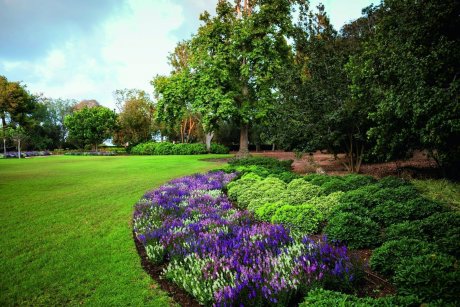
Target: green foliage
{"x": 237, "y": 187}
{"x": 392, "y": 182}
{"x": 219, "y": 149}
{"x": 167, "y": 148}
{"x": 300, "y": 191}
{"x": 270, "y": 163}
{"x": 267, "y": 188}
{"x": 353, "y": 230}
{"x": 306, "y": 217}
{"x": 325, "y": 298}
{"x": 386, "y": 258}
{"x": 440, "y": 228}
{"x": 91, "y": 125}
{"x": 391, "y": 212}
{"x": 408, "y": 70}
{"x": 440, "y": 190}
{"x": 363, "y": 197}
{"x": 430, "y": 277}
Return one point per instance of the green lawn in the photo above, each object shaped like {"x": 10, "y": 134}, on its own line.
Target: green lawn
{"x": 66, "y": 233}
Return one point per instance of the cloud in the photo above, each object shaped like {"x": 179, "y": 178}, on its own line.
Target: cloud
{"x": 125, "y": 50}
{"x": 31, "y": 28}
{"x": 86, "y": 49}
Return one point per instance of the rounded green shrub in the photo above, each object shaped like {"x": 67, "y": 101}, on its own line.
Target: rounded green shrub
{"x": 430, "y": 277}
{"x": 237, "y": 187}
{"x": 286, "y": 176}
{"x": 350, "y": 207}
{"x": 408, "y": 229}
{"x": 353, "y": 230}
{"x": 306, "y": 218}
{"x": 386, "y": 258}
{"x": 444, "y": 229}
{"x": 326, "y": 204}
{"x": 257, "y": 190}
{"x": 267, "y": 211}
{"x": 363, "y": 196}
{"x": 300, "y": 191}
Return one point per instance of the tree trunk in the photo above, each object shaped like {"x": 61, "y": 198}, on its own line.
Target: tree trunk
{"x": 96, "y": 147}
{"x": 19, "y": 148}
{"x": 273, "y": 147}
{"x": 209, "y": 137}
{"x": 4, "y": 134}
{"x": 244, "y": 141}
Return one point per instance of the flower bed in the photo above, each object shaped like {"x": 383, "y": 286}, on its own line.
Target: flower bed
{"x": 26, "y": 154}
{"x": 222, "y": 256}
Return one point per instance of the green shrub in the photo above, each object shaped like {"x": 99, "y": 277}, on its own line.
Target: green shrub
{"x": 286, "y": 176}
{"x": 354, "y": 230}
{"x": 392, "y": 182}
{"x": 326, "y": 204}
{"x": 444, "y": 230}
{"x": 167, "y": 148}
{"x": 386, "y": 258}
{"x": 349, "y": 207}
{"x": 408, "y": 229}
{"x": 317, "y": 179}
{"x": 257, "y": 190}
{"x": 263, "y": 161}
{"x": 300, "y": 191}
{"x": 219, "y": 149}
{"x": 390, "y": 212}
{"x": 236, "y": 187}
{"x": 306, "y": 218}
{"x": 267, "y": 211}
{"x": 440, "y": 228}
{"x": 326, "y": 298}
{"x": 430, "y": 277}
{"x": 363, "y": 197}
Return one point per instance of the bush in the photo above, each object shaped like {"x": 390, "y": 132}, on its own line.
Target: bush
{"x": 441, "y": 228}
{"x": 219, "y": 149}
{"x": 392, "y": 182}
{"x": 363, "y": 197}
{"x": 270, "y": 163}
{"x": 262, "y": 192}
{"x": 267, "y": 211}
{"x": 167, "y": 148}
{"x": 346, "y": 183}
{"x": 354, "y": 230}
{"x": 299, "y": 191}
{"x": 430, "y": 277}
{"x": 390, "y": 212}
{"x": 286, "y": 176}
{"x": 237, "y": 187}
{"x": 386, "y": 258}
{"x": 325, "y": 298}
{"x": 306, "y": 218}
{"x": 350, "y": 207}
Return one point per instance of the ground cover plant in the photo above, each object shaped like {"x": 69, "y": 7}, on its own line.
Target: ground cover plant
{"x": 222, "y": 255}
{"x": 66, "y": 228}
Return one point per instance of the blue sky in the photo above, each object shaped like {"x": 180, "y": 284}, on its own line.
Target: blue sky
{"x": 86, "y": 49}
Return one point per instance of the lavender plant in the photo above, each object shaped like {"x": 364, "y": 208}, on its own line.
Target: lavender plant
{"x": 222, "y": 255}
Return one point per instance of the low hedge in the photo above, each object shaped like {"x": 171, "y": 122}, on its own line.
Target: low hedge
{"x": 325, "y": 298}
{"x": 167, "y": 148}
{"x": 270, "y": 163}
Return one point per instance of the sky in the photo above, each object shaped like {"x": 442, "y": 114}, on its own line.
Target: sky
{"x": 87, "y": 49}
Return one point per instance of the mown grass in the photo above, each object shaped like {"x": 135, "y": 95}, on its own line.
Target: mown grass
{"x": 440, "y": 190}
{"x": 66, "y": 233}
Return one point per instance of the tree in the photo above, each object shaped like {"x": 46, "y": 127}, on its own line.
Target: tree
{"x": 18, "y": 134}
{"x": 16, "y": 105}
{"x": 409, "y": 69}
{"x": 135, "y": 121}
{"x": 88, "y": 103}
{"x": 232, "y": 64}
{"x": 91, "y": 125}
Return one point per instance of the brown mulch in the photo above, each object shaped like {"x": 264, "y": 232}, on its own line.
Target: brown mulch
{"x": 419, "y": 166}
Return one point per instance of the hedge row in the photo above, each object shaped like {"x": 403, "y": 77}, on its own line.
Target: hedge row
{"x": 167, "y": 148}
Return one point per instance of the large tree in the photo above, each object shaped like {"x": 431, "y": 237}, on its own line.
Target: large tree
{"x": 91, "y": 126}
{"x": 409, "y": 69}
{"x": 16, "y": 105}
{"x": 234, "y": 59}
{"x": 135, "y": 120}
